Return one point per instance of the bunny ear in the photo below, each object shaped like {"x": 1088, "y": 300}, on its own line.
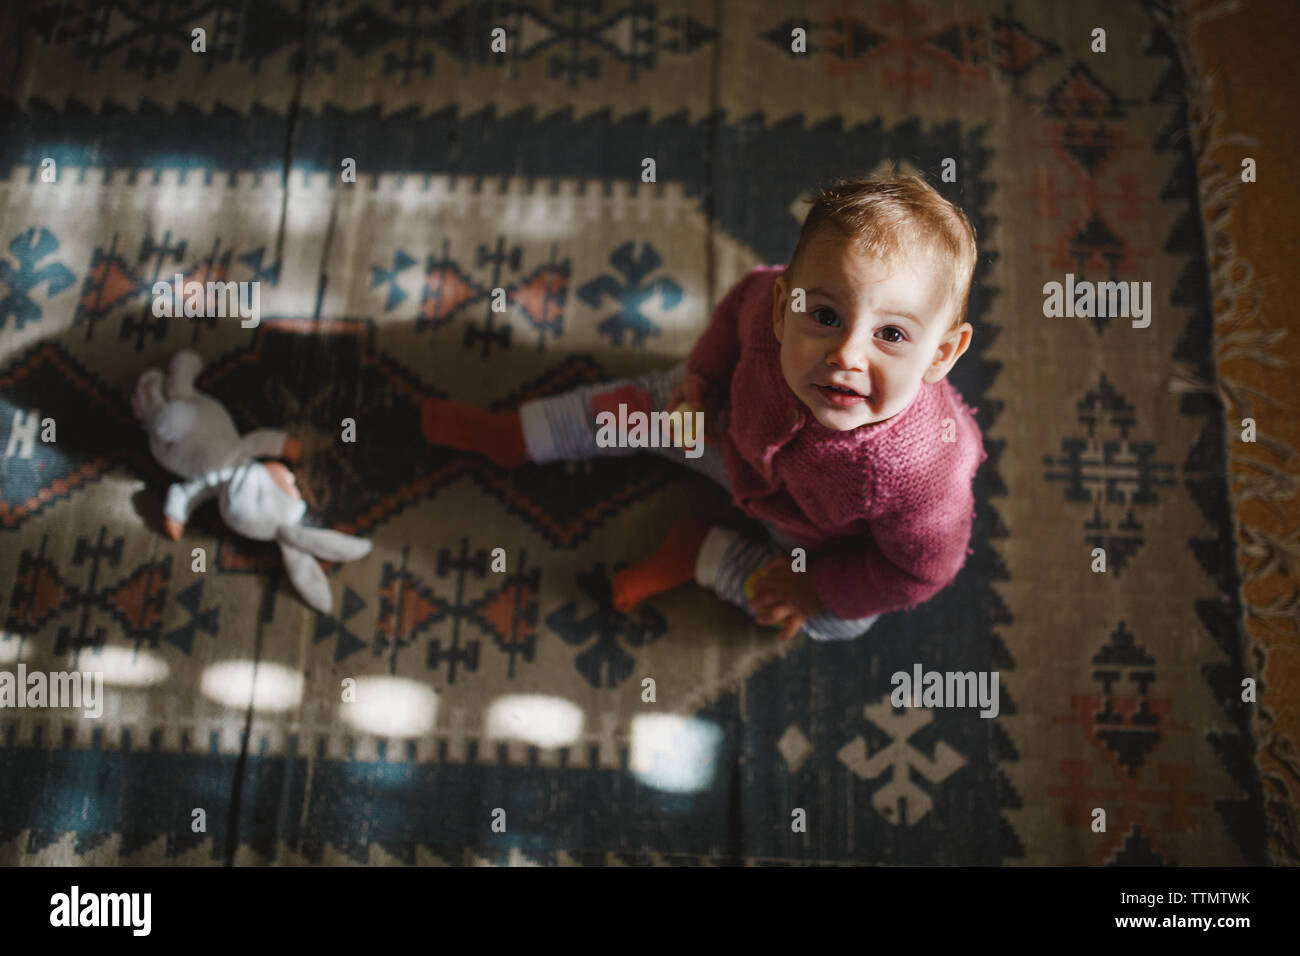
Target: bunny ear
{"x": 150, "y": 378}
{"x": 148, "y": 395}
{"x": 330, "y": 545}
{"x": 181, "y": 373}
{"x": 308, "y": 577}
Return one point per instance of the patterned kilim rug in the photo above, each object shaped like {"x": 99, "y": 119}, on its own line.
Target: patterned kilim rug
{"x": 476, "y": 689}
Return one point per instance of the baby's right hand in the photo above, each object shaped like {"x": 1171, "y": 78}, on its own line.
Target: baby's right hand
{"x": 691, "y": 390}
{"x": 698, "y": 392}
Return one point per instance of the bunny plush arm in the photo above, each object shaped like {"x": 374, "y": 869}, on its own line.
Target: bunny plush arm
{"x": 184, "y": 496}
{"x": 270, "y": 443}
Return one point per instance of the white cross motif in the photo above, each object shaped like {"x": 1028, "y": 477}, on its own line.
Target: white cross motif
{"x": 900, "y": 801}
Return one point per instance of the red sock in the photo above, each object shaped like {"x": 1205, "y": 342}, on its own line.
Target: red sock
{"x": 499, "y": 435}
{"x": 673, "y": 563}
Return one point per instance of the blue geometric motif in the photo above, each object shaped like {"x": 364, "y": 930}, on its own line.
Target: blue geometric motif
{"x": 632, "y": 294}
{"x": 29, "y": 249}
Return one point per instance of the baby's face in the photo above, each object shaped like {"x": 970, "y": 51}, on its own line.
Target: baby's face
{"x": 875, "y": 329}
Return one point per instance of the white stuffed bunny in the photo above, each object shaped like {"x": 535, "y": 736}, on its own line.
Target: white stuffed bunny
{"x": 192, "y": 435}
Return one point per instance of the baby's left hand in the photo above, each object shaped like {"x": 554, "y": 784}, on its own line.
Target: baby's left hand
{"x": 781, "y": 593}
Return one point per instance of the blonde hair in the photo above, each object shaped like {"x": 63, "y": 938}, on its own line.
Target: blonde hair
{"x": 887, "y": 217}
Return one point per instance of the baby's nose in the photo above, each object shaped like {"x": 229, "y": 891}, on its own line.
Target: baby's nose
{"x": 848, "y": 357}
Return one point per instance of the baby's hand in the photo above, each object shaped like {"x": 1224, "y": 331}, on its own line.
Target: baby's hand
{"x": 781, "y": 596}
{"x": 700, "y": 394}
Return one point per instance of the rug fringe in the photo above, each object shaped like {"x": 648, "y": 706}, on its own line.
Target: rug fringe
{"x": 1241, "y": 333}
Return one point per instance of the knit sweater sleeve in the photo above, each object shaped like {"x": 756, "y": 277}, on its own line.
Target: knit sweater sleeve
{"x": 718, "y": 350}
{"x": 912, "y": 553}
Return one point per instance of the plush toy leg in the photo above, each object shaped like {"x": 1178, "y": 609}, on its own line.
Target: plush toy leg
{"x": 308, "y": 577}
{"x": 323, "y": 543}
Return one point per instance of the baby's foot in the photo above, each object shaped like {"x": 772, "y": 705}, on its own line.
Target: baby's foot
{"x": 499, "y": 435}
{"x": 672, "y": 563}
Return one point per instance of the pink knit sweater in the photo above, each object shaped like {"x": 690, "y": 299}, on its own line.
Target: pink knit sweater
{"x": 884, "y": 510}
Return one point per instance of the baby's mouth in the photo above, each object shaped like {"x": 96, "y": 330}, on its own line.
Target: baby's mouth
{"x": 841, "y": 396}
{"x": 840, "y": 390}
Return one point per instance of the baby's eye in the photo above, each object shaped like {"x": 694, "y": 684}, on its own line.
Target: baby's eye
{"x": 830, "y": 312}
{"x": 898, "y": 332}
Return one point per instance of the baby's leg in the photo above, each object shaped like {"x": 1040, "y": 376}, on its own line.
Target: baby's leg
{"x": 563, "y": 427}
{"x": 466, "y": 428}
{"x": 558, "y": 428}
{"x": 727, "y": 559}
{"x": 674, "y": 562}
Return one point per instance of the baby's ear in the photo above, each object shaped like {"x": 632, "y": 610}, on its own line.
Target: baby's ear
{"x": 780, "y": 295}
{"x": 949, "y": 350}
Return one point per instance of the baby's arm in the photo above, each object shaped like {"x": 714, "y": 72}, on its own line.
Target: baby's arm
{"x": 717, "y": 350}
{"x": 706, "y": 385}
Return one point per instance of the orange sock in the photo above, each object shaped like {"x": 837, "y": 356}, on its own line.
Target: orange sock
{"x": 673, "y": 563}
{"x": 499, "y": 435}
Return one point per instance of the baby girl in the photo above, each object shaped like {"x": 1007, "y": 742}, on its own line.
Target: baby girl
{"x": 827, "y": 415}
